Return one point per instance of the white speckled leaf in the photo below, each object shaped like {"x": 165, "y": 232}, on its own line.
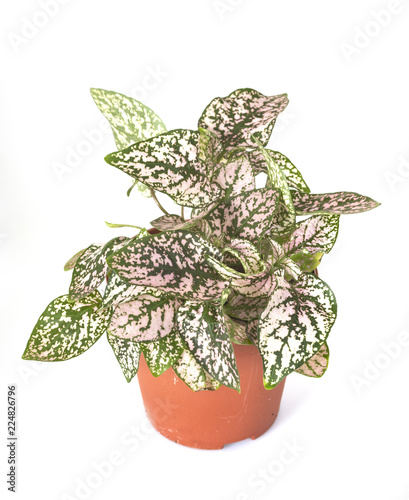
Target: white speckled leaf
{"x": 283, "y": 220}
{"x": 170, "y": 164}
{"x": 247, "y": 216}
{"x": 315, "y": 234}
{"x": 293, "y": 175}
{"x": 174, "y": 262}
{"x": 245, "y": 112}
{"x": 127, "y": 353}
{"x": 280, "y": 260}
{"x": 203, "y": 329}
{"x": 71, "y": 263}
{"x": 294, "y": 325}
{"x": 162, "y": 354}
{"x": 236, "y": 176}
{"x": 193, "y": 375}
{"x": 91, "y": 268}
{"x": 144, "y": 319}
{"x": 332, "y": 203}
{"x": 130, "y": 120}
{"x": 118, "y": 291}
{"x": 317, "y": 365}
{"x": 278, "y": 181}
{"x": 67, "y": 329}
{"x": 245, "y": 308}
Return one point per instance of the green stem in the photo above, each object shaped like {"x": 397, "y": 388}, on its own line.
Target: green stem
{"x": 157, "y": 202}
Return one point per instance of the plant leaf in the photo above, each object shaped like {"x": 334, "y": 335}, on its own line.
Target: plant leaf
{"x": 243, "y": 113}
{"x": 332, "y": 203}
{"x": 118, "y": 291}
{"x": 236, "y": 176}
{"x": 71, "y": 263}
{"x": 247, "y": 216}
{"x": 173, "y": 262}
{"x": 245, "y": 308}
{"x": 317, "y": 365}
{"x": 306, "y": 262}
{"x": 163, "y": 353}
{"x": 294, "y": 325}
{"x": 193, "y": 375}
{"x": 67, "y": 329}
{"x": 247, "y": 254}
{"x": 237, "y": 331}
{"x": 91, "y": 268}
{"x": 127, "y": 352}
{"x": 145, "y": 318}
{"x": 170, "y": 164}
{"x": 203, "y": 329}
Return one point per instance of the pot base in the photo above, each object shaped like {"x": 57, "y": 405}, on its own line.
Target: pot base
{"x": 211, "y": 419}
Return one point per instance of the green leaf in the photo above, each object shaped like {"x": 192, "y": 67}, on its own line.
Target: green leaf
{"x": 193, "y": 375}
{"x": 332, "y": 203}
{"x": 144, "y": 319}
{"x": 109, "y": 224}
{"x": 130, "y": 120}
{"x": 317, "y": 365}
{"x": 91, "y": 268}
{"x": 162, "y": 354}
{"x": 67, "y": 329}
{"x": 174, "y": 262}
{"x": 170, "y": 164}
{"x": 127, "y": 353}
{"x": 243, "y": 113}
{"x": 71, "y": 263}
{"x": 294, "y": 325}
{"x": 203, "y": 329}
{"x": 306, "y": 262}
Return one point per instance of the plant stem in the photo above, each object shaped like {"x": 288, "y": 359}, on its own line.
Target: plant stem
{"x": 182, "y": 213}
{"x": 157, "y": 202}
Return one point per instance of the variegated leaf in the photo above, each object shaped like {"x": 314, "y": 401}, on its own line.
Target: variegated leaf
{"x": 236, "y": 176}
{"x": 144, "y": 319}
{"x": 71, "y": 263}
{"x": 67, "y": 329}
{"x": 306, "y": 262}
{"x": 283, "y": 220}
{"x": 278, "y": 181}
{"x": 294, "y": 325}
{"x": 170, "y": 164}
{"x": 163, "y": 353}
{"x": 237, "y": 331}
{"x": 130, "y": 120}
{"x": 317, "y": 365}
{"x": 127, "y": 352}
{"x": 174, "y": 262}
{"x": 252, "y": 331}
{"x": 292, "y": 174}
{"x": 175, "y": 222}
{"x": 280, "y": 260}
{"x": 332, "y": 203}
{"x": 245, "y": 112}
{"x": 118, "y": 291}
{"x": 203, "y": 329}
{"x": 247, "y": 254}
{"x": 315, "y": 234}
{"x": 193, "y": 375}
{"x": 210, "y": 150}
{"x": 245, "y": 308}
{"x": 168, "y": 222}
{"x": 247, "y": 216}
{"x": 91, "y": 268}
{"x": 250, "y": 285}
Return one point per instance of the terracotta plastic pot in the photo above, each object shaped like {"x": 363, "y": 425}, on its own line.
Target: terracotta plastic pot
{"x": 211, "y": 419}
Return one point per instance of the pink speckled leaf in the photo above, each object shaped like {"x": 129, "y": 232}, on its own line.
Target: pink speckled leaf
{"x": 168, "y": 222}
{"x": 317, "y": 365}
{"x": 247, "y": 216}
{"x": 203, "y": 329}
{"x": 210, "y": 150}
{"x": 245, "y": 112}
{"x": 247, "y": 254}
{"x": 315, "y": 234}
{"x": 145, "y": 318}
{"x": 91, "y": 268}
{"x": 175, "y": 222}
{"x": 279, "y": 259}
{"x": 127, "y": 353}
{"x": 67, "y": 329}
{"x": 252, "y": 331}
{"x": 130, "y": 120}
{"x": 235, "y": 176}
{"x": 294, "y": 325}
{"x": 174, "y": 262}
{"x": 245, "y": 308}
{"x": 192, "y": 373}
{"x": 332, "y": 203}
{"x": 293, "y": 176}
{"x": 71, "y": 263}
{"x": 237, "y": 331}
{"x": 163, "y": 353}
{"x": 118, "y": 291}
{"x": 169, "y": 163}
{"x": 250, "y": 285}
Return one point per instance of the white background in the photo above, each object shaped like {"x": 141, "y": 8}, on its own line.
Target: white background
{"x": 346, "y": 128}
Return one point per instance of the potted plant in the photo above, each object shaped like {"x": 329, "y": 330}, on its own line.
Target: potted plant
{"x": 215, "y": 310}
